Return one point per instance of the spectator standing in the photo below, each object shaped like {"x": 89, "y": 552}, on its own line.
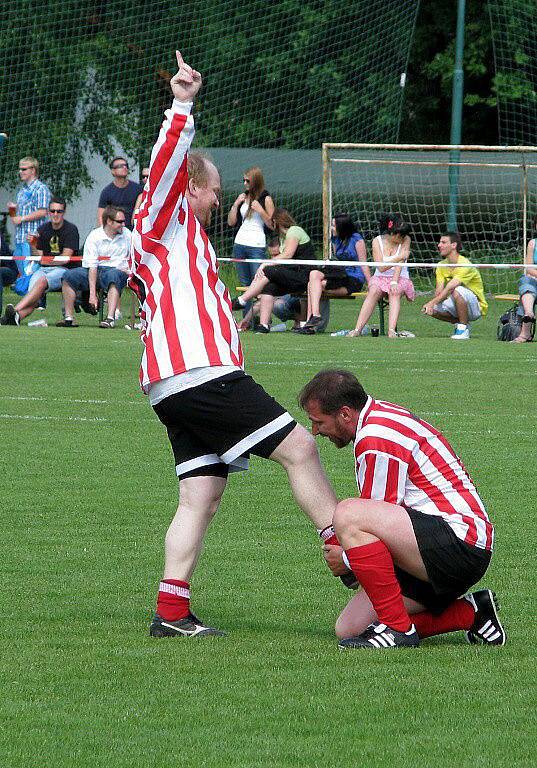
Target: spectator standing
{"x": 527, "y": 289}
{"x": 121, "y": 192}
{"x": 459, "y": 297}
{"x": 105, "y": 265}
{"x": 56, "y": 247}
{"x": 393, "y": 245}
{"x": 30, "y": 211}
{"x": 251, "y": 214}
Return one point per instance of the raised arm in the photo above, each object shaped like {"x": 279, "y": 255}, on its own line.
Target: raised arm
{"x": 168, "y": 176}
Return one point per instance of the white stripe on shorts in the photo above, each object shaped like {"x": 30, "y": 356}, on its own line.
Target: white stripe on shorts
{"x": 256, "y": 437}
{"x": 199, "y": 461}
{"x": 237, "y": 465}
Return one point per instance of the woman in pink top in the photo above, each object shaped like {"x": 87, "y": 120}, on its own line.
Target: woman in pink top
{"x": 393, "y": 245}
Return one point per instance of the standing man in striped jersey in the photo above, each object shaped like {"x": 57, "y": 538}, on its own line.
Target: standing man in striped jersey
{"x": 417, "y": 538}
{"x": 192, "y": 363}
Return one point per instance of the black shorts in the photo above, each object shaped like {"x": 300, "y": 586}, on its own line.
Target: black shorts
{"x": 338, "y": 278}
{"x": 214, "y": 427}
{"x": 286, "y": 278}
{"x": 452, "y": 565}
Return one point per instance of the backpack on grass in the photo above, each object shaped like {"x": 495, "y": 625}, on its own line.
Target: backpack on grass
{"x": 510, "y": 323}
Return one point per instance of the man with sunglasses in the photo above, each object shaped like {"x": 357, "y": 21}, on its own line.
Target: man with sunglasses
{"x": 56, "y": 245}
{"x": 30, "y": 211}
{"x": 121, "y": 193}
{"x": 105, "y": 265}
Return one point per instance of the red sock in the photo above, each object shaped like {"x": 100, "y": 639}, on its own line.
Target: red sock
{"x": 328, "y": 536}
{"x": 458, "y": 615}
{"x": 372, "y": 564}
{"x": 173, "y": 600}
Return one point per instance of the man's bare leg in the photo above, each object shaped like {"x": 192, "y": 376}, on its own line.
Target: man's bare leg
{"x": 199, "y": 498}
{"x": 29, "y": 302}
{"x": 445, "y": 317}
{"x": 69, "y": 296}
{"x": 299, "y": 456}
{"x": 112, "y": 300}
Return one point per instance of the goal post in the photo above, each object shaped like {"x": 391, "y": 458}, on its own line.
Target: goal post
{"x": 495, "y": 199}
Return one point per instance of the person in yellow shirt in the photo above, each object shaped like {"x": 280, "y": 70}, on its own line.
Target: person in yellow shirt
{"x": 459, "y": 297}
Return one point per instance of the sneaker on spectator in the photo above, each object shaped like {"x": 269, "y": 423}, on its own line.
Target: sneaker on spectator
{"x": 262, "y": 329}
{"x": 108, "y": 323}
{"x": 461, "y": 332}
{"x": 10, "y": 317}
{"x": 67, "y": 322}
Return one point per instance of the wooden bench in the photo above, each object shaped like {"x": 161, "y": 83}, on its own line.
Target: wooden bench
{"x": 382, "y": 303}
{"x": 507, "y": 297}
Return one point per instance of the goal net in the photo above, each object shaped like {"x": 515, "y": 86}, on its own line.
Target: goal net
{"x": 81, "y": 78}
{"x": 514, "y": 31}
{"x": 492, "y": 198}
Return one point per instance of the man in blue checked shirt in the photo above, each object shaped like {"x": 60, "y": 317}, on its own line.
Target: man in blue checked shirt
{"x": 31, "y": 211}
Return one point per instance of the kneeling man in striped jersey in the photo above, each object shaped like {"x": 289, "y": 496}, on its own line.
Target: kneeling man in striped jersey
{"x": 417, "y": 538}
{"x": 192, "y": 364}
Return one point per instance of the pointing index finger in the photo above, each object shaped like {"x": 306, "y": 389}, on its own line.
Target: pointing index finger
{"x": 179, "y": 58}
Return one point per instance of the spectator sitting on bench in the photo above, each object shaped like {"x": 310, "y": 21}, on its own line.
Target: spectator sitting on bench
{"x": 347, "y": 245}
{"x": 393, "y": 245}
{"x": 271, "y": 280}
{"x": 56, "y": 243}
{"x": 105, "y": 266}
{"x": 527, "y": 289}
{"x": 459, "y": 297}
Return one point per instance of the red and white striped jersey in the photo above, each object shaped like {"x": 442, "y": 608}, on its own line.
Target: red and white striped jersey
{"x": 403, "y": 460}
{"x": 185, "y": 307}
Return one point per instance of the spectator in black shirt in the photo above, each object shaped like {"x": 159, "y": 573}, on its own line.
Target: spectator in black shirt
{"x": 121, "y": 193}
{"x": 56, "y": 244}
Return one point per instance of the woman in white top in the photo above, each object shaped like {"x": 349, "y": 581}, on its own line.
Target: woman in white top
{"x": 252, "y": 214}
{"x": 393, "y": 244}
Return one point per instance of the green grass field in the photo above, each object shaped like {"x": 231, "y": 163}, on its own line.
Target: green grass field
{"x": 88, "y": 489}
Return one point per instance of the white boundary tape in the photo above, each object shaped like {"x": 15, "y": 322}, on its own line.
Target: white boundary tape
{"x": 329, "y": 263}
{"x": 411, "y": 265}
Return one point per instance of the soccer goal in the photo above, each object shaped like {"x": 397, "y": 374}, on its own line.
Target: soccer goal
{"x": 488, "y": 194}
